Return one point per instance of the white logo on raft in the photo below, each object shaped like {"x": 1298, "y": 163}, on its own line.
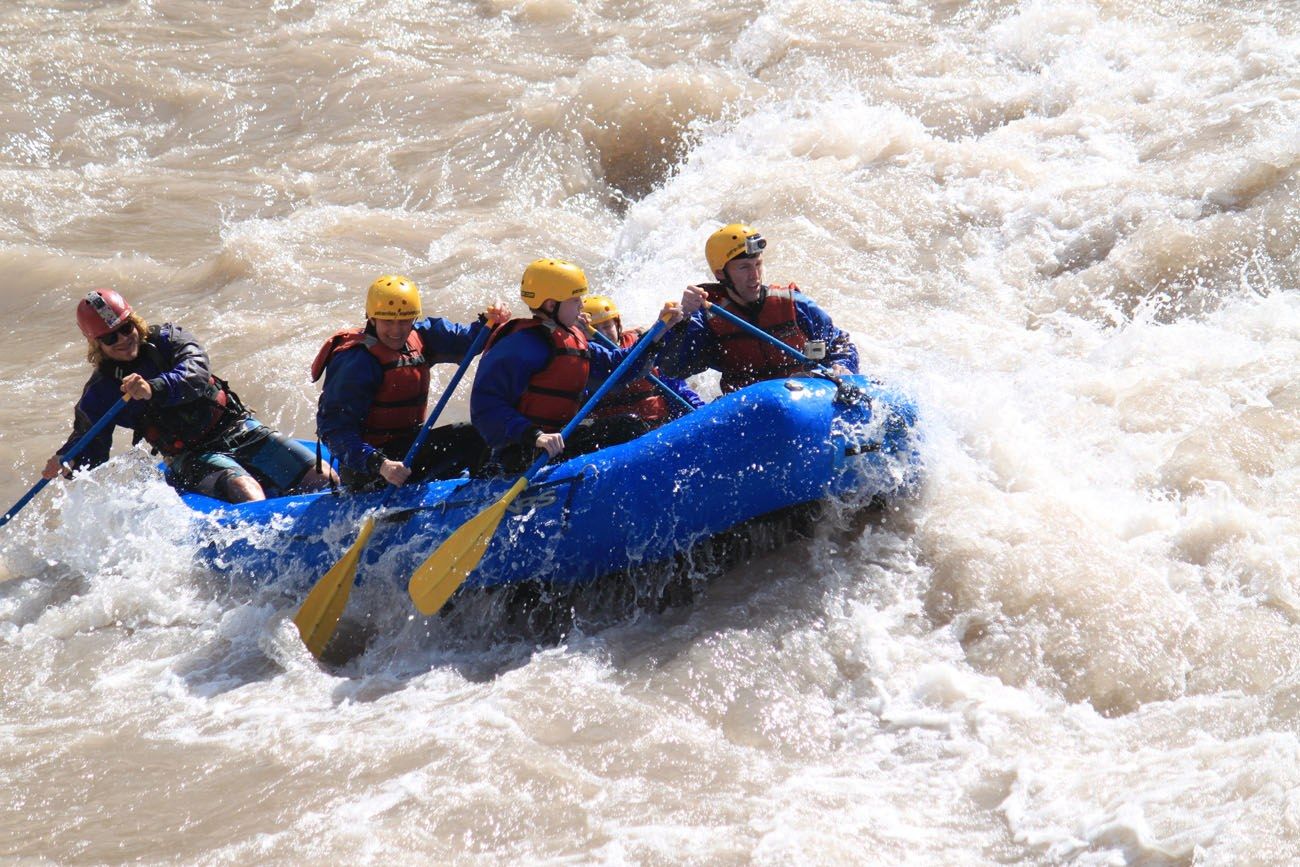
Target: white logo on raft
{"x": 538, "y": 500}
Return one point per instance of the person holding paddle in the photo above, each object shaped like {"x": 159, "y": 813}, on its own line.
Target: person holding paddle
{"x": 735, "y": 255}
{"x": 642, "y": 400}
{"x": 377, "y": 387}
{"x": 209, "y": 440}
{"x": 535, "y": 371}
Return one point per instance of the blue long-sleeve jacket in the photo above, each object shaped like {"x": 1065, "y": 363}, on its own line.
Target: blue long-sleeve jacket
{"x": 691, "y": 347}
{"x": 504, "y": 372}
{"x": 176, "y": 368}
{"x": 353, "y": 377}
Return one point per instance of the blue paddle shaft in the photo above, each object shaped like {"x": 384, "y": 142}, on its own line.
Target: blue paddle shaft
{"x": 663, "y": 386}
{"x": 423, "y": 435}
{"x": 104, "y": 421}
{"x": 637, "y": 351}
{"x": 474, "y": 348}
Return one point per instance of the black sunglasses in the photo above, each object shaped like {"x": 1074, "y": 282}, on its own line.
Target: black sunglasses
{"x": 120, "y": 331}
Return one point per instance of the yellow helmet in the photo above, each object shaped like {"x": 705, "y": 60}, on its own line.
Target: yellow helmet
{"x": 551, "y": 280}
{"x": 392, "y": 297}
{"x": 599, "y": 309}
{"x": 731, "y": 241}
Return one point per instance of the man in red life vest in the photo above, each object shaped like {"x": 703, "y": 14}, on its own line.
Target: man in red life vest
{"x": 210, "y": 442}
{"x": 735, "y": 255}
{"x": 640, "y": 399}
{"x": 535, "y": 371}
{"x": 377, "y": 387}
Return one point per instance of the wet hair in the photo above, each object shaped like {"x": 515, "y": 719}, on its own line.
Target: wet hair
{"x": 95, "y": 352}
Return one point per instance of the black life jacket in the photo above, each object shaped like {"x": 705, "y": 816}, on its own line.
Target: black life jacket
{"x": 185, "y": 426}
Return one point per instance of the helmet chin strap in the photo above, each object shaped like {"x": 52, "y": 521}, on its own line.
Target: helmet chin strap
{"x": 551, "y": 314}
{"x": 734, "y": 294}
{"x": 729, "y": 287}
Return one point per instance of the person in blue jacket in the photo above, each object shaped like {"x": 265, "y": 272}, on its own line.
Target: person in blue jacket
{"x": 735, "y": 254}
{"x": 640, "y": 400}
{"x": 209, "y": 440}
{"x": 376, "y": 388}
{"x": 535, "y": 371}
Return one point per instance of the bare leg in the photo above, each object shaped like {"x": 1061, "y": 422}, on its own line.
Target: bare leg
{"x": 314, "y": 480}
{"x": 243, "y": 489}
{"x": 231, "y": 487}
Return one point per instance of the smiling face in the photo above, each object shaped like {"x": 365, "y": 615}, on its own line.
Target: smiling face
{"x": 393, "y": 332}
{"x": 125, "y": 347}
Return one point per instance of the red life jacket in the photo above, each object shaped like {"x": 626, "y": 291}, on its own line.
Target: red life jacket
{"x": 641, "y": 398}
{"x": 181, "y": 427}
{"x": 553, "y": 394}
{"x": 715, "y": 292}
{"x": 746, "y": 359}
{"x": 403, "y": 394}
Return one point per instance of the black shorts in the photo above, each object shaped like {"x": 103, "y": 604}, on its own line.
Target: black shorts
{"x": 250, "y": 448}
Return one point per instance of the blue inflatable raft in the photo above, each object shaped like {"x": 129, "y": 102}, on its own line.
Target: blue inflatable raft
{"x": 748, "y": 454}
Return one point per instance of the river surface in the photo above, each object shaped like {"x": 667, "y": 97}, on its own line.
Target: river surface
{"x": 1067, "y": 228}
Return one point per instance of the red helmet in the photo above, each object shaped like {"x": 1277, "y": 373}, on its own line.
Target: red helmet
{"x": 101, "y": 311}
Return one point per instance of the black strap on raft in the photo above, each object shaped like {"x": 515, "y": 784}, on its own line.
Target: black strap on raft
{"x": 845, "y": 392}
{"x": 334, "y": 487}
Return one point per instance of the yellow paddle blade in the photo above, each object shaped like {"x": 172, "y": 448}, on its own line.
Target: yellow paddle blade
{"x": 321, "y": 610}
{"x": 448, "y": 567}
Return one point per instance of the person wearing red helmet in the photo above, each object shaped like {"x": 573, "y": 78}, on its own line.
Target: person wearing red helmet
{"x": 209, "y": 440}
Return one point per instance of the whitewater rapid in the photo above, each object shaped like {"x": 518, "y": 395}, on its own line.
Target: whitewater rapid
{"x": 1066, "y": 228}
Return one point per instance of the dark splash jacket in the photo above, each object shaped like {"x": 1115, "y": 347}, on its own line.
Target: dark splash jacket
{"x": 190, "y": 407}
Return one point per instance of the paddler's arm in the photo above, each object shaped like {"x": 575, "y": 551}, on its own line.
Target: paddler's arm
{"x": 351, "y": 381}
{"x": 446, "y": 342}
{"x": 99, "y": 395}
{"x": 502, "y": 376}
